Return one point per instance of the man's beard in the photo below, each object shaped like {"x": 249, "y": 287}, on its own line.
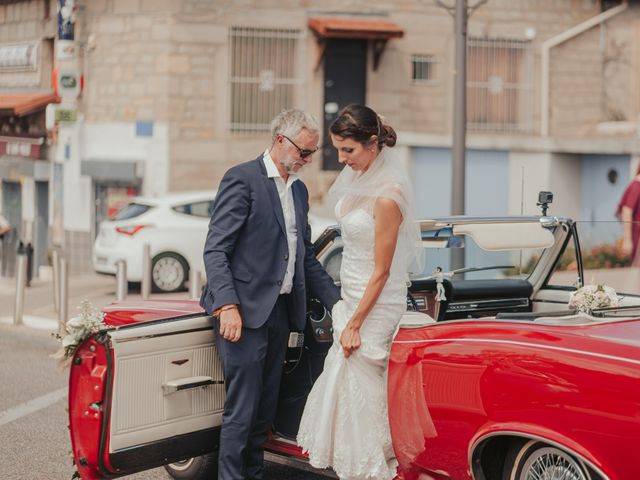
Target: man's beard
{"x": 289, "y": 164}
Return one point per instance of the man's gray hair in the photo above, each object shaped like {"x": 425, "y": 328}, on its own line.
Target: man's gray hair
{"x": 290, "y": 122}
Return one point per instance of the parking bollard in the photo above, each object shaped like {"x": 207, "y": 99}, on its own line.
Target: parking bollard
{"x": 195, "y": 284}
{"x": 64, "y": 296}
{"x": 55, "y": 260}
{"x": 145, "y": 287}
{"x": 21, "y": 281}
{"x": 121, "y": 280}
{"x": 29, "y": 251}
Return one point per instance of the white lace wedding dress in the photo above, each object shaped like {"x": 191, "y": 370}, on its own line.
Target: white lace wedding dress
{"x": 345, "y": 423}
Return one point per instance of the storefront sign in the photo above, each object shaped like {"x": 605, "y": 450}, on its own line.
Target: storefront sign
{"x": 66, "y": 50}
{"x": 19, "y": 56}
{"x": 66, "y": 19}
{"x": 18, "y": 147}
{"x": 65, "y": 114}
{"x": 68, "y": 83}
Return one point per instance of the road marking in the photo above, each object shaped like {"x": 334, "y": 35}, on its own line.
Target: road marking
{"x": 33, "y": 405}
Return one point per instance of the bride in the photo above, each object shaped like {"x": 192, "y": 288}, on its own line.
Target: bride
{"x": 345, "y": 423}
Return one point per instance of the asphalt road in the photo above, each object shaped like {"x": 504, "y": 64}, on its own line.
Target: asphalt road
{"x": 33, "y": 417}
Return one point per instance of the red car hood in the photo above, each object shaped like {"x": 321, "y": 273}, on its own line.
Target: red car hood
{"x": 625, "y": 334}
{"x": 137, "y": 311}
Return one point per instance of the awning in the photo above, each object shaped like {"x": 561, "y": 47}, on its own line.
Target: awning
{"x": 369, "y": 29}
{"x": 378, "y": 31}
{"x": 127, "y": 171}
{"x": 21, "y": 104}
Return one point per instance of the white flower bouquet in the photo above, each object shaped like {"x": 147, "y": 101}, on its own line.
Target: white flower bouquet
{"x": 591, "y": 297}
{"x": 88, "y": 322}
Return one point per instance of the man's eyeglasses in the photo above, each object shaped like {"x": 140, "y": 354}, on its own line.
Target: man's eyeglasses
{"x": 304, "y": 152}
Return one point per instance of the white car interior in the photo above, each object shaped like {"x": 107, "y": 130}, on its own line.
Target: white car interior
{"x": 167, "y": 381}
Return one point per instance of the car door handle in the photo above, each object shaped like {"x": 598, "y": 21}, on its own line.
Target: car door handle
{"x": 181, "y": 384}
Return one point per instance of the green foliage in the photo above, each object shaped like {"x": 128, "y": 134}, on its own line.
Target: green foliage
{"x": 600, "y": 256}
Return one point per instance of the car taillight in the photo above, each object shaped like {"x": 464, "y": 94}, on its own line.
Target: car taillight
{"x": 131, "y": 230}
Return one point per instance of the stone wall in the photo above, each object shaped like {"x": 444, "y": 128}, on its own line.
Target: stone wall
{"x": 167, "y": 61}
{"x": 592, "y": 77}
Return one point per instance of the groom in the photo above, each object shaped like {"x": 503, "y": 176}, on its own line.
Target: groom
{"x": 259, "y": 263}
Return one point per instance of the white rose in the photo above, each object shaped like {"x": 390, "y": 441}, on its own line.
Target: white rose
{"x": 75, "y": 322}
{"x": 68, "y": 340}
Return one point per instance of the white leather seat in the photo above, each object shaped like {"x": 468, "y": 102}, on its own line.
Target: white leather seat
{"x": 411, "y": 319}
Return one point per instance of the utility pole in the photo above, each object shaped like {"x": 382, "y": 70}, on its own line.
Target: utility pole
{"x": 461, "y": 12}
{"x": 459, "y": 110}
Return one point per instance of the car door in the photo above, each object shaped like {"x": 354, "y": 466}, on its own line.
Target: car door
{"x": 144, "y": 395}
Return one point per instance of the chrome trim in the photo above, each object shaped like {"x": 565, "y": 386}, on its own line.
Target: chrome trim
{"x": 158, "y": 335}
{"x": 475, "y": 305}
{"x": 531, "y": 437}
{"x": 522, "y": 344}
{"x": 555, "y": 302}
{"x": 182, "y": 384}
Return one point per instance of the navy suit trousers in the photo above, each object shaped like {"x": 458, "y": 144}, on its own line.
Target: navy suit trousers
{"x": 252, "y": 370}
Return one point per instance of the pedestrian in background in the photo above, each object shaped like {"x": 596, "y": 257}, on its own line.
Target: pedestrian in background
{"x": 629, "y": 214}
{"x": 5, "y": 227}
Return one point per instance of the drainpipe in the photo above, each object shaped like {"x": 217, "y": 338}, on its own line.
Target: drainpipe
{"x": 547, "y": 45}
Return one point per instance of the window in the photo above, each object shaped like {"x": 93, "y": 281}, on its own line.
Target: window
{"x": 422, "y": 67}
{"x": 197, "y": 209}
{"x": 499, "y": 88}
{"x": 131, "y": 211}
{"x": 265, "y": 70}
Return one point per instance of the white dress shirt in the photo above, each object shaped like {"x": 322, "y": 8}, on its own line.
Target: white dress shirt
{"x": 289, "y": 211}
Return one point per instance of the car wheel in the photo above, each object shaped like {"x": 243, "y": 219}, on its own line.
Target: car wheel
{"x": 536, "y": 460}
{"x": 197, "y": 468}
{"x": 169, "y": 272}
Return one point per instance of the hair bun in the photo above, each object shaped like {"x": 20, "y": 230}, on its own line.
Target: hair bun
{"x": 388, "y": 136}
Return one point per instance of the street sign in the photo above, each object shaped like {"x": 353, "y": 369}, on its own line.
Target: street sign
{"x": 68, "y": 83}
{"x": 66, "y": 114}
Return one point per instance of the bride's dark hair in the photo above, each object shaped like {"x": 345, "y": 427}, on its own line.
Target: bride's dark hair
{"x": 360, "y": 123}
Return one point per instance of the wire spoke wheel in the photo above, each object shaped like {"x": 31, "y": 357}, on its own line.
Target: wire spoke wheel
{"x": 549, "y": 463}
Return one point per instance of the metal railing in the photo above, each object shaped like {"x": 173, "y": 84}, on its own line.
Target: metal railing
{"x": 264, "y": 72}
{"x": 499, "y": 85}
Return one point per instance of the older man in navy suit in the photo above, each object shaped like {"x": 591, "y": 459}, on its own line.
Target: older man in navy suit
{"x": 260, "y": 263}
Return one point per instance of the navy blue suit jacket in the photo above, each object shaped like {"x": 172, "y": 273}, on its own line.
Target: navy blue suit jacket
{"x": 246, "y": 250}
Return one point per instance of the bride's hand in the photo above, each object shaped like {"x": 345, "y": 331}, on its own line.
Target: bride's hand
{"x": 350, "y": 340}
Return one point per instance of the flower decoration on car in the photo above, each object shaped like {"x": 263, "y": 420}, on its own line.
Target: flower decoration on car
{"x": 590, "y": 297}
{"x": 88, "y": 322}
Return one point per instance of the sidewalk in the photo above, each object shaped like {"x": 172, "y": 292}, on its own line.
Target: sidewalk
{"x": 39, "y": 308}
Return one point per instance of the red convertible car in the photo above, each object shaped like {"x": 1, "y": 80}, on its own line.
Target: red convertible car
{"x": 500, "y": 381}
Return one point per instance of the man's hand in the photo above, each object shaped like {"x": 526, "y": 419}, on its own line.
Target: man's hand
{"x": 231, "y": 324}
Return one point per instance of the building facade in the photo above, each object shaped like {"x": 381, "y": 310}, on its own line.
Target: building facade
{"x": 174, "y": 92}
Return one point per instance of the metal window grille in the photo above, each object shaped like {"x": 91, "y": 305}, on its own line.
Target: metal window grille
{"x": 265, "y": 74}
{"x": 423, "y": 68}
{"x": 499, "y": 85}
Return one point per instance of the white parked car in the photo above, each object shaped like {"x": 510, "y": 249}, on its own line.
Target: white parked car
{"x": 175, "y": 226}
